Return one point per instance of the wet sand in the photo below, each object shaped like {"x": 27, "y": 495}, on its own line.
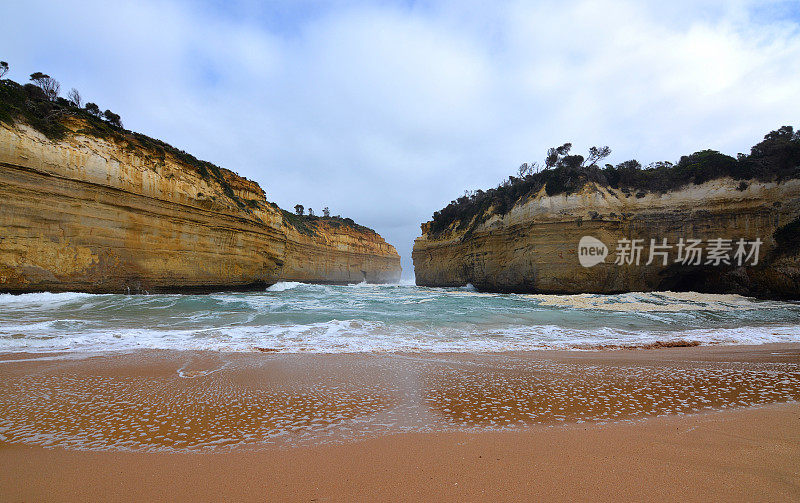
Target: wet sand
{"x": 748, "y": 455}
{"x": 698, "y": 422}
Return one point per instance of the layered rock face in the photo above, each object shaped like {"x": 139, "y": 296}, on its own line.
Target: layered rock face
{"x": 104, "y": 215}
{"x": 535, "y": 247}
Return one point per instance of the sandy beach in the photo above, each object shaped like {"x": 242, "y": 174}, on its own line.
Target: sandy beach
{"x": 692, "y": 423}
{"x": 386, "y": 250}
{"x": 746, "y": 455}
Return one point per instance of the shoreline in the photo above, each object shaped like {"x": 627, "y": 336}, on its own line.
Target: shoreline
{"x": 590, "y": 349}
{"x": 666, "y": 347}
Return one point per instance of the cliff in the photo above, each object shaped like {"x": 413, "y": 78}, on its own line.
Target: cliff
{"x": 85, "y": 210}
{"x": 534, "y": 247}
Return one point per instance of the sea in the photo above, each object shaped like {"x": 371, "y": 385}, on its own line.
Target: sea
{"x": 292, "y": 317}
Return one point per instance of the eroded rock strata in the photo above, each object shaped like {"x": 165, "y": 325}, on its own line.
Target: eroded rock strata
{"x": 534, "y": 247}
{"x": 110, "y": 214}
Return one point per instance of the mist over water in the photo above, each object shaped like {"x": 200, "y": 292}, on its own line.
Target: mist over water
{"x": 295, "y": 317}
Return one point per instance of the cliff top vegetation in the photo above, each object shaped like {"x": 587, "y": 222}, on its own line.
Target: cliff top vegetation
{"x": 776, "y": 158}
{"x": 310, "y": 224}
{"x": 39, "y": 104}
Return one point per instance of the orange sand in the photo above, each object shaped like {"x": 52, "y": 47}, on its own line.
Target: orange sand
{"x": 745, "y": 455}
{"x": 553, "y": 425}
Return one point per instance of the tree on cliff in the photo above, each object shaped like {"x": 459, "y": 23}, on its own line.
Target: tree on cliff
{"x": 112, "y": 118}
{"x": 299, "y": 209}
{"x": 776, "y": 158}
{"x": 3, "y": 69}
{"x": 311, "y": 212}
{"x": 326, "y": 212}
{"x": 555, "y": 154}
{"x": 777, "y": 155}
{"x": 48, "y": 84}
{"x": 524, "y": 170}
{"x": 74, "y": 97}
{"x": 93, "y": 109}
{"x": 597, "y": 154}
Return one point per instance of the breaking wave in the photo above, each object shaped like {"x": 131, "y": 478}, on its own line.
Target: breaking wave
{"x": 282, "y": 286}
{"x": 295, "y": 317}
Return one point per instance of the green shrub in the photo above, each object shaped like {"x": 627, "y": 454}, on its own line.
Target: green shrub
{"x": 33, "y": 106}
{"x": 777, "y": 157}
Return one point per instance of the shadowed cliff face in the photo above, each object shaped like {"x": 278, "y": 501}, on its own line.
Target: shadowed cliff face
{"x": 535, "y": 247}
{"x": 105, "y": 215}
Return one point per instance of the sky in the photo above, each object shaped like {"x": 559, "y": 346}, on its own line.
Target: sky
{"x": 385, "y": 111}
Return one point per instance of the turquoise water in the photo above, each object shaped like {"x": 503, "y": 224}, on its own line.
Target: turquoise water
{"x": 295, "y": 317}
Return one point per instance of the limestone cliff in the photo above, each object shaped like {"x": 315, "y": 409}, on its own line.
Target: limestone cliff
{"x": 534, "y": 247}
{"x": 119, "y": 213}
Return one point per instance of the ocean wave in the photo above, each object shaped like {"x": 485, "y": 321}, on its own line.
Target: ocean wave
{"x": 359, "y": 336}
{"x": 282, "y": 286}
{"x": 300, "y": 317}
{"x": 42, "y": 298}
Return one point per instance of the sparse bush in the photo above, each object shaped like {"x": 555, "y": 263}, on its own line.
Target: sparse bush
{"x": 309, "y": 224}
{"x": 74, "y": 97}
{"x": 31, "y": 103}
{"x": 48, "y": 84}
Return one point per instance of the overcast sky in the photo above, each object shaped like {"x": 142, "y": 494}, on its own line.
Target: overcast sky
{"x": 385, "y": 111}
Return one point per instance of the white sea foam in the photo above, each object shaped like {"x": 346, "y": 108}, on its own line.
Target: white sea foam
{"x": 282, "y": 286}
{"x": 385, "y": 318}
{"x": 43, "y": 298}
{"x": 357, "y": 336}
{"x": 655, "y": 301}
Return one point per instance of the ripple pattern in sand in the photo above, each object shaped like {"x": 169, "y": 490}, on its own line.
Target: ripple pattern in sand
{"x": 545, "y": 393}
{"x": 99, "y": 412}
{"x": 181, "y": 402}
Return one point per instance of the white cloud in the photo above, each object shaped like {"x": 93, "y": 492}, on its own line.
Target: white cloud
{"x": 386, "y": 112}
